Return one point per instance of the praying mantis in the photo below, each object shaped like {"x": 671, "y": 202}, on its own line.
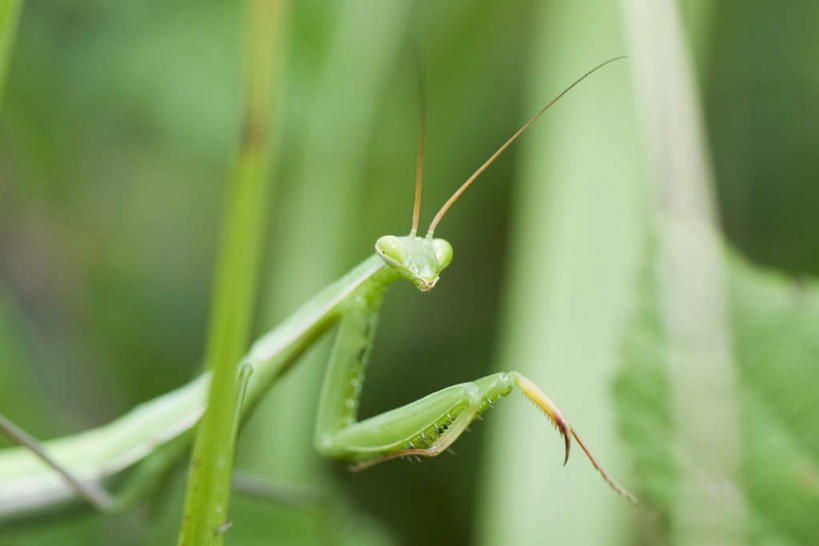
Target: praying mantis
{"x": 35, "y": 477}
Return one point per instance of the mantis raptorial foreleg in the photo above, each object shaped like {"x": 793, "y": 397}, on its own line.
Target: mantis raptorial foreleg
{"x": 426, "y": 427}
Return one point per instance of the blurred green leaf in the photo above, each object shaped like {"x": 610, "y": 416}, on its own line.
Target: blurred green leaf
{"x": 776, "y": 351}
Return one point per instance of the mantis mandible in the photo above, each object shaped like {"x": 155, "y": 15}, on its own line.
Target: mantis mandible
{"x": 35, "y": 477}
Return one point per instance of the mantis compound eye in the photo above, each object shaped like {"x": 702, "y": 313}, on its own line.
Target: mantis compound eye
{"x": 443, "y": 252}
{"x": 391, "y": 248}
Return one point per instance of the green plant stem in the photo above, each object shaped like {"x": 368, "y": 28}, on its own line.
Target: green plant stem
{"x": 235, "y": 286}
{"x": 9, "y": 16}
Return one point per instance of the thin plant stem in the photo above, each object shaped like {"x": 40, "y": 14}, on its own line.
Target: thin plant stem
{"x": 235, "y": 285}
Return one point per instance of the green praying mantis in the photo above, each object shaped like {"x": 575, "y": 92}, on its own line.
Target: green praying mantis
{"x": 37, "y": 477}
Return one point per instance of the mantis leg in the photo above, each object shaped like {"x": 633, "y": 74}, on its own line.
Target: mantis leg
{"x": 426, "y": 427}
{"x": 91, "y": 491}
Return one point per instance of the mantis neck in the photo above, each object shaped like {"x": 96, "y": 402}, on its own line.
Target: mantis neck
{"x": 273, "y": 354}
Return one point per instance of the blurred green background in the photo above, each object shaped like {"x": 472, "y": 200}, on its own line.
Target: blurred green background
{"x": 117, "y": 128}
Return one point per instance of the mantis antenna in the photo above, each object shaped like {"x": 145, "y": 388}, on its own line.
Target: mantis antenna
{"x": 416, "y": 210}
{"x": 506, "y": 144}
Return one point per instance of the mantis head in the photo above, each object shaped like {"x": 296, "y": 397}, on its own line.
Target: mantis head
{"x": 421, "y": 259}
{"x": 418, "y": 259}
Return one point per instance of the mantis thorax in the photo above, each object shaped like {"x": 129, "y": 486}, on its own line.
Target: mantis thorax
{"x": 418, "y": 259}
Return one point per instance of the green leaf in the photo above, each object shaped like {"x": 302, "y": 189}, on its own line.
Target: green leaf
{"x": 776, "y": 352}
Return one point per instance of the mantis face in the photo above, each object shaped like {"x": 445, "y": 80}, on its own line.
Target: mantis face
{"x": 418, "y": 259}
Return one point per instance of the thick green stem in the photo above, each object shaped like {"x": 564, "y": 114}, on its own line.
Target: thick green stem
{"x": 235, "y": 286}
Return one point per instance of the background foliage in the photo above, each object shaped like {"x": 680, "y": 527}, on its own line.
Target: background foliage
{"x": 116, "y": 131}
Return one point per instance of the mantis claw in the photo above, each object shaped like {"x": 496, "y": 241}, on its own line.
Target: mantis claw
{"x": 564, "y": 431}
{"x": 545, "y": 404}
{"x": 554, "y": 414}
